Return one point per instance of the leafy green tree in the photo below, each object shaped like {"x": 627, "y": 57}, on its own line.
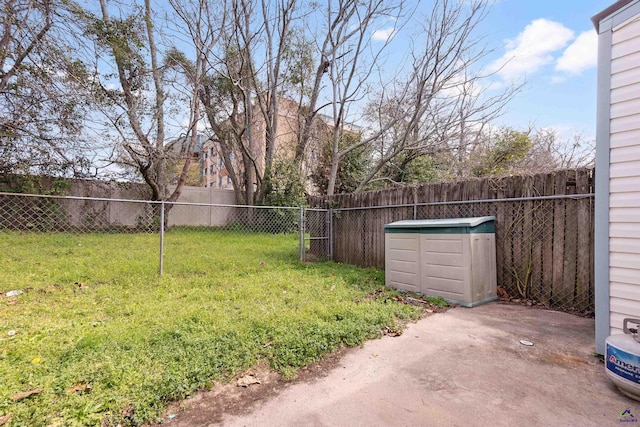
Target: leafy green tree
{"x": 503, "y": 153}
{"x": 135, "y": 91}
{"x": 41, "y": 115}
{"x": 286, "y": 186}
{"x": 411, "y": 170}
{"x": 352, "y": 167}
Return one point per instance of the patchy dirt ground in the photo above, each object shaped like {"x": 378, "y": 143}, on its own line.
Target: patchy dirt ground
{"x": 209, "y": 407}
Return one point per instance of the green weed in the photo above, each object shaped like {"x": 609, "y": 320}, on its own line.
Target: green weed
{"x": 108, "y": 341}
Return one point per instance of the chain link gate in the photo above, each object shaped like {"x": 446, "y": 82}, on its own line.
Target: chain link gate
{"x": 317, "y": 237}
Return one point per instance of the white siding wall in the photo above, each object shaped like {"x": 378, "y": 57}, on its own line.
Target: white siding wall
{"x": 624, "y": 184}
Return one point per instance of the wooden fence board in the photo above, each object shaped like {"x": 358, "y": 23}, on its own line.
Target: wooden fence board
{"x": 537, "y": 230}
{"x": 500, "y": 215}
{"x": 546, "y": 244}
{"x": 526, "y": 247}
{"x": 571, "y": 248}
{"x": 585, "y": 226}
{"x": 558, "y": 291}
{"x": 506, "y": 243}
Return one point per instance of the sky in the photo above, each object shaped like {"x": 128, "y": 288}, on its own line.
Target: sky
{"x": 552, "y": 47}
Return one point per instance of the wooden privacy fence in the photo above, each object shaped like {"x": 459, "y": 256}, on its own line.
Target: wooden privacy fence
{"x": 544, "y": 229}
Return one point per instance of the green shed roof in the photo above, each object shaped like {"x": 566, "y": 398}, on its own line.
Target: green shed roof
{"x": 483, "y": 224}
{"x": 441, "y": 223}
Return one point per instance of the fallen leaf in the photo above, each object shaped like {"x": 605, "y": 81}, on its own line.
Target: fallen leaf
{"x": 80, "y": 388}
{"x": 12, "y": 302}
{"x": 35, "y": 360}
{"x": 248, "y": 380}
{"x": 4, "y": 419}
{"x": 18, "y": 397}
{"x": 394, "y": 333}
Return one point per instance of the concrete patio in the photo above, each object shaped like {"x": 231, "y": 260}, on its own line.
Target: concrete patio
{"x": 465, "y": 367}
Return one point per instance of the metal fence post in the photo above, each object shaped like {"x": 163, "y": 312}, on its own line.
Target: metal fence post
{"x": 161, "y": 238}
{"x": 330, "y": 231}
{"x": 301, "y": 227}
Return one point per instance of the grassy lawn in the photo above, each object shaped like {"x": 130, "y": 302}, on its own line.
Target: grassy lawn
{"x": 110, "y": 342}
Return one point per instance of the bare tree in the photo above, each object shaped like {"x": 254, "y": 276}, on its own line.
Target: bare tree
{"x": 350, "y": 69}
{"x": 551, "y": 151}
{"x": 442, "y": 100}
{"x": 250, "y": 57}
{"x": 440, "y": 104}
{"x": 266, "y": 59}
{"x": 203, "y": 22}
{"x": 244, "y": 83}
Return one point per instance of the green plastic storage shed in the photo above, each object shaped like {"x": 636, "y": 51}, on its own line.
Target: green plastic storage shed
{"x": 450, "y": 258}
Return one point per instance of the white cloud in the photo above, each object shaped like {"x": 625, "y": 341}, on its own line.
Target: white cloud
{"x": 384, "y": 34}
{"x": 531, "y": 50}
{"x": 582, "y": 54}
{"x": 557, "y": 80}
{"x": 565, "y": 130}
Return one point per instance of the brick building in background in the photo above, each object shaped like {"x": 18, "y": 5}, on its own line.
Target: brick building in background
{"x": 214, "y": 171}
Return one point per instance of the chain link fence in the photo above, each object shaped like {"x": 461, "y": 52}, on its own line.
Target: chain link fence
{"x": 76, "y": 215}
{"x": 189, "y": 233}
{"x": 544, "y": 245}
